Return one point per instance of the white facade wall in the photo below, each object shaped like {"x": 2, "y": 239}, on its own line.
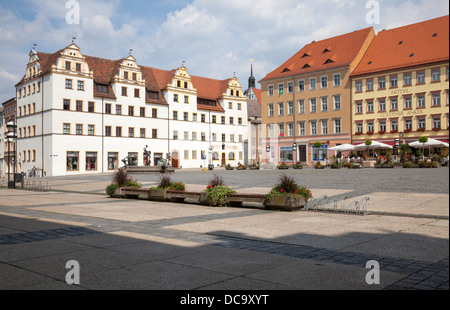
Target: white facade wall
{"x": 66, "y": 141}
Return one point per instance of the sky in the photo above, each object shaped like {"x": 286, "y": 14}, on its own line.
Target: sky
{"x": 214, "y": 38}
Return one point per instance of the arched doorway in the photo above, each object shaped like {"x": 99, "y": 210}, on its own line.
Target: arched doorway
{"x": 175, "y": 159}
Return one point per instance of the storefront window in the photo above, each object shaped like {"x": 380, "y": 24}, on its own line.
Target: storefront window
{"x": 286, "y": 153}
{"x": 72, "y": 162}
{"x": 319, "y": 153}
{"x": 91, "y": 160}
{"x": 113, "y": 160}
{"x": 133, "y": 159}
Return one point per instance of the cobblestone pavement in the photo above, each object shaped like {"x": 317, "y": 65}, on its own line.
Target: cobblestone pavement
{"x": 197, "y": 247}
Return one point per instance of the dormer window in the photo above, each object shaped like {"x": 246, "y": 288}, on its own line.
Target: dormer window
{"x": 68, "y": 65}
{"x": 401, "y": 42}
{"x": 326, "y": 51}
{"x": 305, "y": 55}
{"x": 125, "y": 75}
{"x": 328, "y": 61}
{"x": 306, "y": 66}
{"x": 285, "y": 70}
{"x": 102, "y": 88}
{"x": 134, "y": 76}
{"x": 435, "y": 34}
{"x": 78, "y": 67}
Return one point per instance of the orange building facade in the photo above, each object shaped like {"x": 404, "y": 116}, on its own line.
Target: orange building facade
{"x": 308, "y": 100}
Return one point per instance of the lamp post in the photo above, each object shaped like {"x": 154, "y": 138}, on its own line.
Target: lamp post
{"x": 11, "y": 136}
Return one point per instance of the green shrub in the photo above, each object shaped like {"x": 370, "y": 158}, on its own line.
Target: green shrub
{"x": 287, "y": 185}
{"x": 217, "y": 195}
{"x": 111, "y": 188}
{"x": 408, "y": 164}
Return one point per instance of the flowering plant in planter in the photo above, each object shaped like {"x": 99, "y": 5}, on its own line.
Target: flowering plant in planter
{"x": 121, "y": 179}
{"x": 287, "y": 194}
{"x": 216, "y": 192}
{"x": 165, "y": 183}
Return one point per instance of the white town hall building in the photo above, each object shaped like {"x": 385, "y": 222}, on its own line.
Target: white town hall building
{"x": 78, "y": 114}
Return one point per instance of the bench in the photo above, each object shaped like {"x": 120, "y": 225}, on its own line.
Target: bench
{"x": 180, "y": 196}
{"x": 236, "y": 200}
{"x": 132, "y": 192}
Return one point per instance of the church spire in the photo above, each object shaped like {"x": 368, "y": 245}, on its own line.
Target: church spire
{"x": 251, "y": 79}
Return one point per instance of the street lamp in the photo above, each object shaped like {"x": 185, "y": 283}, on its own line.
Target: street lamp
{"x": 11, "y": 136}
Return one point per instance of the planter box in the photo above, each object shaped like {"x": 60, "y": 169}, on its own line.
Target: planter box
{"x": 180, "y": 196}
{"x": 254, "y": 168}
{"x": 285, "y": 203}
{"x": 158, "y": 195}
{"x": 236, "y": 200}
{"x": 301, "y": 167}
{"x": 131, "y": 192}
{"x": 241, "y": 168}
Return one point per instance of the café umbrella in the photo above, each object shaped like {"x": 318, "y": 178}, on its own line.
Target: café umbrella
{"x": 375, "y": 145}
{"x": 342, "y": 148}
{"x": 430, "y": 143}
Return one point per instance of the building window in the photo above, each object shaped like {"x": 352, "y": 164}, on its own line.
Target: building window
{"x": 313, "y": 125}
{"x": 271, "y": 130}
{"x": 382, "y": 126}
{"x": 421, "y": 101}
{"x": 337, "y": 126}
{"x": 118, "y": 131}
{"x": 319, "y": 153}
{"x": 281, "y": 108}
{"x": 78, "y": 67}
{"x": 290, "y": 130}
{"x": 240, "y": 121}
{"x": 370, "y": 127}
{"x": 130, "y": 111}
{"x": 370, "y": 107}
{"x": 91, "y": 161}
{"x": 436, "y": 122}
{"x": 80, "y": 85}
{"x": 324, "y": 82}
{"x": 436, "y": 100}
{"x": 369, "y": 85}
{"x": 359, "y": 127}
{"x": 66, "y": 129}
{"x": 203, "y": 136}
{"x": 280, "y": 89}
{"x": 113, "y": 160}
{"x": 420, "y": 77}
{"x": 175, "y": 135}
{"x": 271, "y": 110}
{"x": 393, "y": 81}
{"x": 407, "y": 79}
{"x": 175, "y": 115}
{"x": 358, "y": 86}
{"x": 301, "y": 106}
{"x": 124, "y": 91}
{"x": 68, "y": 65}
{"x": 290, "y": 87}
{"x": 394, "y": 104}
{"x": 436, "y": 75}
{"x": 142, "y": 133}
{"x": 337, "y": 79}
{"x": 394, "y": 125}
{"x": 131, "y": 132}
{"x": 301, "y": 85}
{"x": 203, "y": 118}
{"x": 301, "y": 127}
{"x": 118, "y": 109}
{"x": 408, "y": 102}
{"x": 312, "y": 83}
{"x": 91, "y": 107}
{"x": 155, "y": 134}
{"x": 142, "y": 112}
{"x": 359, "y": 108}
{"x": 108, "y": 131}
{"x": 79, "y": 105}
{"x": 72, "y": 161}
{"x": 313, "y": 105}
{"x": 194, "y": 155}
{"x": 222, "y": 119}
{"x": 91, "y": 130}
{"x": 66, "y": 104}
{"x": 68, "y": 84}
{"x": 134, "y": 77}
{"x": 337, "y": 102}
{"x": 231, "y": 120}
{"x": 214, "y": 119}
{"x": 133, "y": 159}
{"x": 137, "y": 93}
{"x": 286, "y": 153}
{"x": 79, "y": 129}
{"x": 175, "y": 97}
{"x": 186, "y": 155}
{"x": 421, "y": 123}
{"x": 324, "y": 127}
{"x": 382, "y": 83}
{"x": 107, "y": 108}
{"x": 408, "y": 124}
{"x": 154, "y": 113}
{"x": 270, "y": 90}
{"x": 186, "y": 99}
{"x": 125, "y": 75}
{"x": 290, "y": 107}
{"x": 324, "y": 104}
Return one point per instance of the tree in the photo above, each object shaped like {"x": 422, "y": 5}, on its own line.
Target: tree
{"x": 423, "y": 140}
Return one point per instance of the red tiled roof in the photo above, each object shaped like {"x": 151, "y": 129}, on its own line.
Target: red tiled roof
{"x": 321, "y": 55}
{"x": 257, "y": 93}
{"x": 416, "y": 44}
{"x": 156, "y": 80}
